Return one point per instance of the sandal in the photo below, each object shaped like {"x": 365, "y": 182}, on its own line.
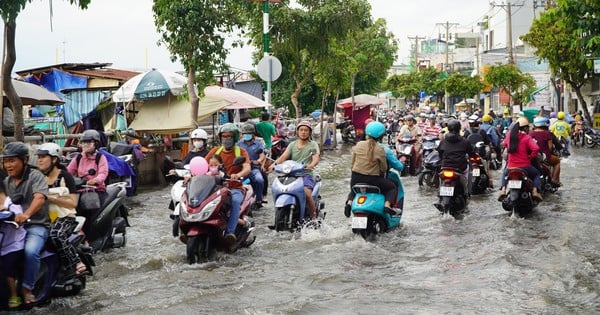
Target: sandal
{"x": 81, "y": 269}
{"x": 29, "y": 298}
{"x": 14, "y": 302}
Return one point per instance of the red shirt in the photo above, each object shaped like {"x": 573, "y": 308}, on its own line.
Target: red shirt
{"x": 228, "y": 158}
{"x": 542, "y": 137}
{"x": 526, "y": 151}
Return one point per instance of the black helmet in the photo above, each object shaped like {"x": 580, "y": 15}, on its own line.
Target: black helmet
{"x": 18, "y": 149}
{"x": 90, "y": 134}
{"x": 454, "y": 126}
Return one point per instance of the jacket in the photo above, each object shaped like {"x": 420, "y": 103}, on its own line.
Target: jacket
{"x": 453, "y": 151}
{"x": 360, "y": 159}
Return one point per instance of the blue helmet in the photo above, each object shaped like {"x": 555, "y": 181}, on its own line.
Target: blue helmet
{"x": 541, "y": 121}
{"x": 375, "y": 130}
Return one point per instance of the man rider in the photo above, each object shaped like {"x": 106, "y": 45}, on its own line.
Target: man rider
{"x": 256, "y": 153}
{"x": 562, "y": 129}
{"x": 306, "y": 151}
{"x": 228, "y": 151}
{"x": 492, "y": 135}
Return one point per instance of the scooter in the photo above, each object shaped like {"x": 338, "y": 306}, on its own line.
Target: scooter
{"x": 176, "y": 193}
{"x": 519, "y": 189}
{"x": 428, "y": 145}
{"x": 347, "y": 131}
{"x": 106, "y": 228}
{"x": 368, "y": 210}
{"x": 289, "y": 197}
{"x": 480, "y": 177}
{"x": 206, "y": 204}
{"x": 52, "y": 281}
{"x": 430, "y": 175}
{"x": 406, "y": 153}
{"x": 452, "y": 196}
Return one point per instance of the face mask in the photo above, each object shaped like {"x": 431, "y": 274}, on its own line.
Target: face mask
{"x": 247, "y": 137}
{"x": 228, "y": 143}
{"x": 213, "y": 170}
{"x": 198, "y": 144}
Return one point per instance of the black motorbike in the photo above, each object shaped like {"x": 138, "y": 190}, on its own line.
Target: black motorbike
{"x": 479, "y": 175}
{"x": 452, "y": 195}
{"x": 519, "y": 187}
{"x": 347, "y": 130}
{"x": 430, "y": 173}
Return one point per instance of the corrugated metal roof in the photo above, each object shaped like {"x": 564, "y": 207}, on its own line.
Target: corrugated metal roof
{"x": 108, "y": 73}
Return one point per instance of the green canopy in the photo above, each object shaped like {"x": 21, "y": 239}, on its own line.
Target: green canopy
{"x": 530, "y": 114}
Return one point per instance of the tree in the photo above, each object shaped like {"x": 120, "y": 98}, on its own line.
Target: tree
{"x": 194, "y": 32}
{"x": 512, "y": 80}
{"x": 411, "y": 84}
{"x": 464, "y": 85}
{"x": 9, "y": 10}
{"x": 565, "y": 36}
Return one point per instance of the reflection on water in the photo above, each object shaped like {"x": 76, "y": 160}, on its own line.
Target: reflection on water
{"x": 488, "y": 262}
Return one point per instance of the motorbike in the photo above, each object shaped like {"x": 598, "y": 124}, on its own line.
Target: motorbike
{"x": 480, "y": 177}
{"x": 430, "y": 174}
{"x": 591, "y": 137}
{"x": 428, "y": 145}
{"x": 52, "y": 280}
{"x": 519, "y": 188}
{"x": 368, "y": 210}
{"x": 176, "y": 193}
{"x": 204, "y": 210}
{"x": 289, "y": 197}
{"x": 406, "y": 153}
{"x": 278, "y": 146}
{"x": 106, "y": 228}
{"x": 453, "y": 198}
{"x": 347, "y": 130}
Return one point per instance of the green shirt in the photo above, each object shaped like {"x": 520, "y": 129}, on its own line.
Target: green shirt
{"x": 302, "y": 155}
{"x": 266, "y": 129}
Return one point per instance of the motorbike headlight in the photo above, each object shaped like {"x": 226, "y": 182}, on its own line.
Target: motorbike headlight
{"x": 286, "y": 169}
{"x": 204, "y": 214}
{"x": 407, "y": 150}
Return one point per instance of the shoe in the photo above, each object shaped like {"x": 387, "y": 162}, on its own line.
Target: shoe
{"x": 536, "y": 196}
{"x": 14, "y": 302}
{"x": 265, "y": 201}
{"x": 398, "y": 212}
{"x": 502, "y": 194}
{"x": 347, "y": 209}
{"x": 230, "y": 239}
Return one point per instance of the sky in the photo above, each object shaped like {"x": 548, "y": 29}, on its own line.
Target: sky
{"x": 122, "y": 32}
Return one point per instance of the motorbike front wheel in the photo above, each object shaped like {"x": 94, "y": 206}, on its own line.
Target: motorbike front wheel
{"x": 197, "y": 249}
{"x": 282, "y": 216}
{"x": 589, "y": 142}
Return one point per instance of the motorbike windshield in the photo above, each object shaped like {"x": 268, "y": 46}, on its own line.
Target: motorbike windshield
{"x": 199, "y": 188}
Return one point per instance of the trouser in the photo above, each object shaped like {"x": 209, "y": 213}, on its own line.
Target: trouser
{"x": 237, "y": 196}
{"x": 34, "y": 244}
{"x": 59, "y": 238}
{"x": 387, "y": 187}
{"x": 258, "y": 183}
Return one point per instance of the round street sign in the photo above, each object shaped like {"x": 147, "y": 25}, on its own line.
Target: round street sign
{"x": 269, "y": 68}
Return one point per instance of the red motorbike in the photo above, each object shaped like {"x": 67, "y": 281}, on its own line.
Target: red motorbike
{"x": 407, "y": 154}
{"x": 203, "y": 218}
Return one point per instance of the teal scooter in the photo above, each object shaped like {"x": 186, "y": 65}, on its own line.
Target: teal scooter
{"x": 369, "y": 214}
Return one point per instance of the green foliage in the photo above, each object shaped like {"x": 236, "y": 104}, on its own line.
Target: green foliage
{"x": 512, "y": 80}
{"x": 10, "y": 9}
{"x": 411, "y": 84}
{"x": 459, "y": 84}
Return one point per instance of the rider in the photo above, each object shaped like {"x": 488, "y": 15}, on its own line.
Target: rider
{"x": 255, "y": 150}
{"x": 266, "y": 130}
{"x": 545, "y": 140}
{"x": 521, "y": 150}
{"x": 492, "y": 135}
{"x": 228, "y": 151}
{"x": 415, "y": 132}
{"x": 432, "y": 129}
{"x": 92, "y": 166}
{"x": 306, "y": 151}
{"x": 369, "y": 165}
{"x": 57, "y": 176}
{"x": 453, "y": 150}
{"x": 199, "y": 139}
{"x": 28, "y": 182}
{"x": 562, "y": 129}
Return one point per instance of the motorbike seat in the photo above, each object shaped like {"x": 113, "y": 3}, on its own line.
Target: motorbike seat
{"x": 111, "y": 194}
{"x": 362, "y": 188}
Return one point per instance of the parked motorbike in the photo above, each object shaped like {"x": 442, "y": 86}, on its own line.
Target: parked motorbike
{"x": 289, "y": 197}
{"x": 106, "y": 228}
{"x": 406, "y": 153}
{"x": 591, "y": 137}
{"x": 52, "y": 279}
{"x": 204, "y": 212}
{"x": 453, "y": 198}
{"x": 430, "y": 174}
{"x": 347, "y": 131}
{"x": 519, "y": 189}
{"x": 368, "y": 210}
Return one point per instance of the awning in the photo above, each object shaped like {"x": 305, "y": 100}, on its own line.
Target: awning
{"x": 80, "y": 103}
{"x": 536, "y": 91}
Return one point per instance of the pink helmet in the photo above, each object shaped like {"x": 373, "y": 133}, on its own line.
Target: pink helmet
{"x": 304, "y": 123}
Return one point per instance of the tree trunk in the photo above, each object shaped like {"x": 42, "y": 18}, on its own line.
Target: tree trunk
{"x": 9, "y": 62}
{"x": 584, "y": 107}
{"x": 194, "y": 100}
{"x": 294, "y": 99}
{"x": 322, "y": 142}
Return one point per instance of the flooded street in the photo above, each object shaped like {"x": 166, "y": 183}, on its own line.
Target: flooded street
{"x": 486, "y": 263}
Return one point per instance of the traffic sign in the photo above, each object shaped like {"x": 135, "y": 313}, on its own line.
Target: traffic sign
{"x": 269, "y": 68}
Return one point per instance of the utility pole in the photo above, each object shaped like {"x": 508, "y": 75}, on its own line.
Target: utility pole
{"x": 508, "y": 8}
{"x": 447, "y": 68}
{"x": 416, "y": 39}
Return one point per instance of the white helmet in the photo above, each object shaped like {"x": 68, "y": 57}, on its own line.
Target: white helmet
{"x": 199, "y": 134}
{"x": 49, "y": 148}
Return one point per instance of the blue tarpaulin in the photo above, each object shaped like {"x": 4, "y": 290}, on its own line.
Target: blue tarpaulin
{"x": 57, "y": 80}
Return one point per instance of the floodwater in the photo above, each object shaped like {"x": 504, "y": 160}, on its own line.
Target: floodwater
{"x": 488, "y": 262}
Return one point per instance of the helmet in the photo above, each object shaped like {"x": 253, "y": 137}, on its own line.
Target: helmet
{"x": 198, "y": 134}
{"x": 431, "y": 116}
{"x": 229, "y": 127}
{"x": 541, "y": 121}
{"x": 506, "y": 112}
{"x": 560, "y": 115}
{"x": 552, "y": 115}
{"x": 409, "y": 117}
{"x": 523, "y": 122}
{"x": 90, "y": 134}
{"x": 248, "y": 128}
{"x": 304, "y": 123}
{"x": 486, "y": 118}
{"x": 18, "y": 149}
{"x": 49, "y": 148}
{"x": 454, "y": 126}
{"x": 375, "y": 130}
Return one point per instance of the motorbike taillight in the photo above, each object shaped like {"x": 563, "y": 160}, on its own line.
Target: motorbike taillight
{"x": 448, "y": 174}
{"x": 361, "y": 200}
{"x": 475, "y": 158}
{"x": 516, "y": 174}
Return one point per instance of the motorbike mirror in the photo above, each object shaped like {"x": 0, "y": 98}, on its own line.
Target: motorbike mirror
{"x": 17, "y": 198}
{"x": 239, "y": 161}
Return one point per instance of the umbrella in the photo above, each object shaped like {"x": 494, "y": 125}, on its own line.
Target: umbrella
{"x": 151, "y": 84}
{"x": 239, "y": 99}
{"x": 32, "y": 94}
{"x": 360, "y": 101}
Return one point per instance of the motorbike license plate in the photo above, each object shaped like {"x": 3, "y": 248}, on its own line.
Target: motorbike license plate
{"x": 359, "y": 222}
{"x": 447, "y": 191}
{"x": 476, "y": 172}
{"x": 514, "y": 184}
